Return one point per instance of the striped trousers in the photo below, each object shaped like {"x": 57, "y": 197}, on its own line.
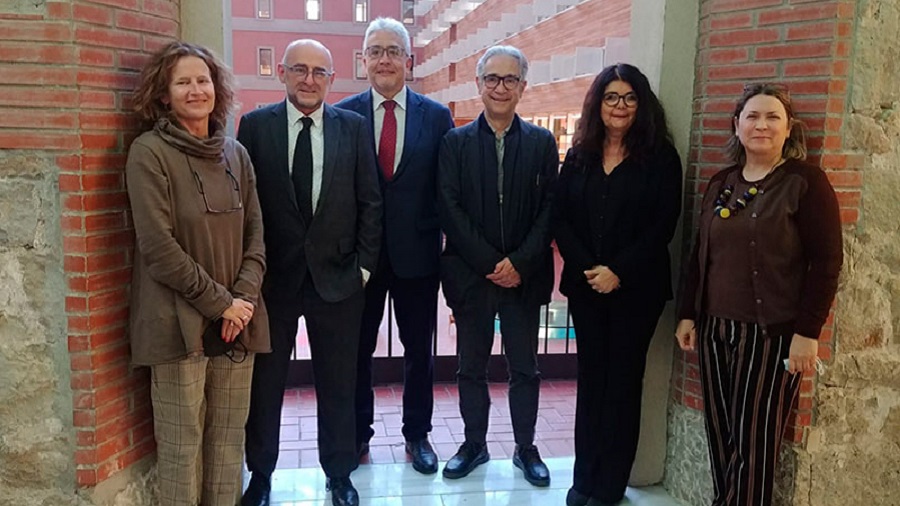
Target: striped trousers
{"x": 747, "y": 398}
{"x": 200, "y": 407}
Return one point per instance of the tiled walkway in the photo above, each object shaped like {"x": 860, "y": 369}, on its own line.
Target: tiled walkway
{"x": 555, "y": 425}
{"x": 385, "y": 479}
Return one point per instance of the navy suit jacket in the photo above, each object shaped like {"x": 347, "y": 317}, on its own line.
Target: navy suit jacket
{"x": 345, "y": 233}
{"x": 412, "y": 235}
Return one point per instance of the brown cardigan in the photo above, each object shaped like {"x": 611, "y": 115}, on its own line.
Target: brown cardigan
{"x": 190, "y": 263}
{"x": 794, "y": 245}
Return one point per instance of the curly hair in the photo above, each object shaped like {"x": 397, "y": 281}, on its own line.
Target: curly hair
{"x": 649, "y": 131}
{"x": 155, "y": 77}
{"x": 794, "y": 145}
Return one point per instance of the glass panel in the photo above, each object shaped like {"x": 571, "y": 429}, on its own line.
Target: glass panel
{"x": 265, "y": 61}
{"x": 264, "y": 9}
{"x": 359, "y": 67}
{"x": 313, "y": 10}
{"x": 407, "y": 10}
{"x": 361, "y": 11}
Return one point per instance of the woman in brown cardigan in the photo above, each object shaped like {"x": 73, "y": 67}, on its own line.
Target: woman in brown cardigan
{"x": 199, "y": 263}
{"x": 757, "y": 290}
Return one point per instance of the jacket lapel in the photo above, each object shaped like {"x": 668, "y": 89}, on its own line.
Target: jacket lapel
{"x": 333, "y": 138}
{"x": 278, "y": 132}
{"x": 415, "y": 117}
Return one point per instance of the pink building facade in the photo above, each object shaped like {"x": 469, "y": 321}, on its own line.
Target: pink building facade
{"x": 261, "y": 29}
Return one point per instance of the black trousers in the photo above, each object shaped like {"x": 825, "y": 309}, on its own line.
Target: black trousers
{"x": 613, "y": 335}
{"x": 747, "y": 400}
{"x": 415, "y": 308}
{"x": 333, "y": 329}
{"x": 519, "y": 323}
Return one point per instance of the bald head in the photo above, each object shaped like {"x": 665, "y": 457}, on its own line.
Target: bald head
{"x": 307, "y": 45}
{"x": 306, "y": 71}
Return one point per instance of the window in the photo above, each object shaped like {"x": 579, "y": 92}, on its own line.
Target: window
{"x": 359, "y": 68}
{"x": 412, "y": 65}
{"x": 264, "y": 9}
{"x": 361, "y": 11}
{"x": 408, "y": 11}
{"x": 313, "y": 10}
{"x": 265, "y": 63}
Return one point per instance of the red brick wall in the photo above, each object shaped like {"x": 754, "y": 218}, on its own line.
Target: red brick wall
{"x": 85, "y": 56}
{"x": 805, "y": 44}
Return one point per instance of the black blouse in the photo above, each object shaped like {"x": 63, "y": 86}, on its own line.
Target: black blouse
{"x": 623, "y": 220}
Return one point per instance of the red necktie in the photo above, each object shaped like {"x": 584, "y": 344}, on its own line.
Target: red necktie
{"x": 387, "y": 145}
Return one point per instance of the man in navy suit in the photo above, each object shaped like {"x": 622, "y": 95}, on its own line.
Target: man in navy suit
{"x": 407, "y": 128}
{"x": 496, "y": 177}
{"x": 318, "y": 190}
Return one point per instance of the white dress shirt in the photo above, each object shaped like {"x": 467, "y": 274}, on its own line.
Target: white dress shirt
{"x": 317, "y": 141}
{"x": 399, "y": 113}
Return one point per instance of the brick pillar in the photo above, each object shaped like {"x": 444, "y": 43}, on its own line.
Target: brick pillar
{"x": 806, "y": 45}
{"x": 67, "y": 69}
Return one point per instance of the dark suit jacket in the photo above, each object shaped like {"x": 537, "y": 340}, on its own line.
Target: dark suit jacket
{"x": 345, "y": 232}
{"x": 641, "y": 218}
{"x": 412, "y": 235}
{"x": 469, "y": 256}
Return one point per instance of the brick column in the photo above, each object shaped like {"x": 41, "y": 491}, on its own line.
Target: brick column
{"x": 806, "y": 45}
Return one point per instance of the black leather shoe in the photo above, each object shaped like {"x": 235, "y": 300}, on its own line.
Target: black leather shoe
{"x": 343, "y": 493}
{"x": 576, "y": 498}
{"x": 424, "y": 459}
{"x": 527, "y": 458}
{"x": 257, "y": 493}
{"x": 469, "y": 456}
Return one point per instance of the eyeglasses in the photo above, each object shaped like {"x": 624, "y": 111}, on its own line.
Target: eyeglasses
{"x": 493, "y": 80}
{"x": 393, "y": 52}
{"x": 757, "y": 87}
{"x": 302, "y": 71}
{"x": 234, "y": 186}
{"x": 612, "y": 99}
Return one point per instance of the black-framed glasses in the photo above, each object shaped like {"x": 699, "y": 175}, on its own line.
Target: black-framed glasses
{"x": 236, "y": 189}
{"x": 393, "y": 52}
{"x": 612, "y": 99}
{"x": 493, "y": 80}
{"x": 319, "y": 74}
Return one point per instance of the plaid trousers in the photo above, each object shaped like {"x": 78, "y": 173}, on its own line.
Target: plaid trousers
{"x": 200, "y": 407}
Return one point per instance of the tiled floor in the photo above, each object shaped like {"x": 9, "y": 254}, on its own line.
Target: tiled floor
{"x": 496, "y": 483}
{"x": 386, "y": 480}
{"x": 555, "y": 425}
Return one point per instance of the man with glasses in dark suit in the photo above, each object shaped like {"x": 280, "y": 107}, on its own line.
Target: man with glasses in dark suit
{"x": 318, "y": 190}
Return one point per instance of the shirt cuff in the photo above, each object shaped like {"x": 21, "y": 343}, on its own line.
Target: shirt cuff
{"x": 365, "y": 275}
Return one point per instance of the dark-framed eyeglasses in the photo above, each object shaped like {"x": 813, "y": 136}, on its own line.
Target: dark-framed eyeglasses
{"x": 612, "y": 99}
{"x": 237, "y": 203}
{"x": 393, "y": 52}
{"x": 319, "y": 74}
{"x": 493, "y": 80}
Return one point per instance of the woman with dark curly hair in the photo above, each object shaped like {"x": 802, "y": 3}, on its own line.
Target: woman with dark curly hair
{"x": 757, "y": 289}
{"x": 196, "y": 313}
{"x": 617, "y": 204}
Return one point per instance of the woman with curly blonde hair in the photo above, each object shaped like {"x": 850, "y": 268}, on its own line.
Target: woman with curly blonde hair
{"x": 196, "y": 313}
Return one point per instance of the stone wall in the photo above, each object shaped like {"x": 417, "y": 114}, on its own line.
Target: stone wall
{"x": 852, "y": 455}
{"x": 36, "y": 434}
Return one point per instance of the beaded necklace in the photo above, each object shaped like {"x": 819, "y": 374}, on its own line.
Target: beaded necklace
{"x": 724, "y": 210}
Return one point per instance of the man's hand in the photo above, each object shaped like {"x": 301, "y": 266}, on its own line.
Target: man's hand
{"x": 686, "y": 334}
{"x": 602, "y": 279}
{"x": 505, "y": 275}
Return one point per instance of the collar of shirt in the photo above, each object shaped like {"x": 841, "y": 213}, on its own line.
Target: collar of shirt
{"x": 294, "y": 115}
{"x": 484, "y": 124}
{"x": 400, "y": 98}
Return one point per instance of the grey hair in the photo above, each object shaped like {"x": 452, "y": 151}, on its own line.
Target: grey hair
{"x": 502, "y": 51}
{"x": 390, "y": 25}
